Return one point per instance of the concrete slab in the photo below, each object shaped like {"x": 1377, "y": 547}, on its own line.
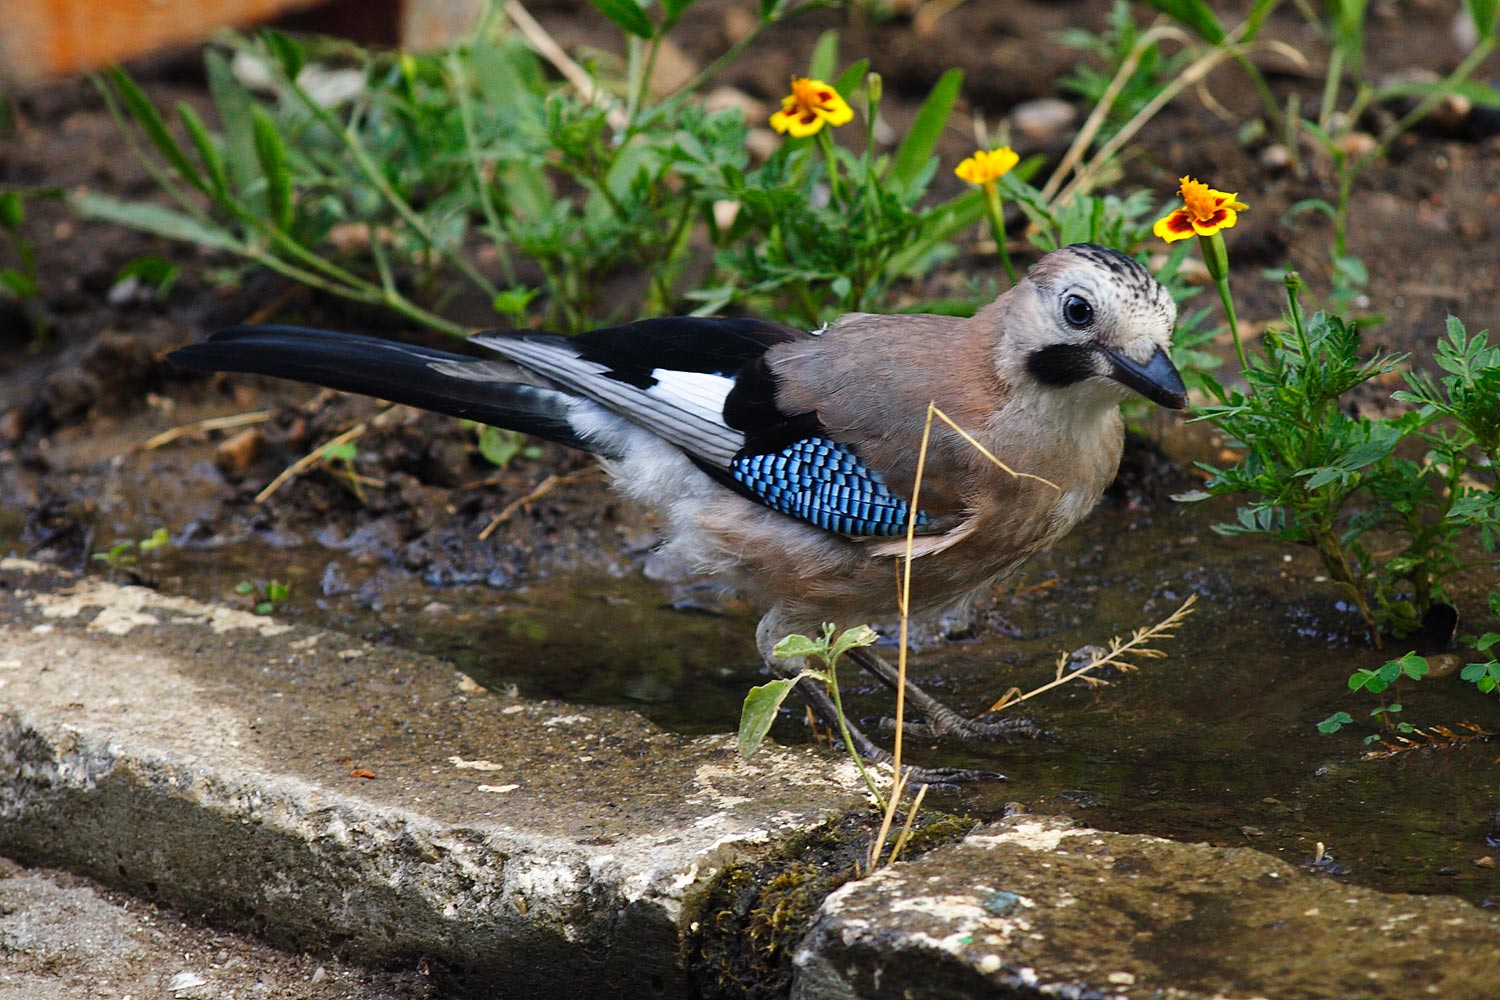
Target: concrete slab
{"x": 354, "y": 800}
{"x": 1036, "y": 907}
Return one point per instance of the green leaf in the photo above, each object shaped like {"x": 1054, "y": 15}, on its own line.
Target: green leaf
{"x": 853, "y": 638}
{"x": 155, "y": 271}
{"x": 628, "y": 15}
{"x": 1334, "y": 723}
{"x": 158, "y": 539}
{"x": 342, "y": 451}
{"x": 769, "y": 9}
{"x": 825, "y": 55}
{"x": 1483, "y": 13}
{"x": 1195, "y": 15}
{"x": 151, "y": 124}
{"x": 499, "y": 446}
{"x": 798, "y": 645}
{"x": 1413, "y": 666}
{"x": 270, "y": 149}
{"x": 916, "y": 149}
{"x": 286, "y": 50}
{"x": 761, "y": 706}
{"x": 673, "y": 9}
{"x": 234, "y": 103}
{"x": 850, "y": 78}
{"x": 156, "y": 219}
{"x": 12, "y": 210}
{"x": 208, "y": 153}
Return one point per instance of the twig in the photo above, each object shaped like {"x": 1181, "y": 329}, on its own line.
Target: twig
{"x": 315, "y": 456}
{"x": 309, "y": 460}
{"x": 205, "y": 426}
{"x": 541, "y": 489}
{"x": 544, "y": 45}
{"x": 1136, "y": 646}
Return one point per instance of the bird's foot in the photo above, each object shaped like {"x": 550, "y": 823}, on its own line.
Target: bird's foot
{"x": 952, "y": 726}
{"x": 948, "y": 778}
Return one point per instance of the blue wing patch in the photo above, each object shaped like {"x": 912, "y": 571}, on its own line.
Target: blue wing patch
{"x": 824, "y": 483}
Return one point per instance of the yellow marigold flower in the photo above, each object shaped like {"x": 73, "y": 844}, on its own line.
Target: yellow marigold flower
{"x": 810, "y": 104}
{"x": 987, "y": 166}
{"x": 1204, "y": 212}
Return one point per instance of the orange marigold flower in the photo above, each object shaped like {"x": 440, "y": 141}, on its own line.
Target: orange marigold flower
{"x": 987, "y": 166}
{"x": 810, "y": 104}
{"x": 1204, "y": 212}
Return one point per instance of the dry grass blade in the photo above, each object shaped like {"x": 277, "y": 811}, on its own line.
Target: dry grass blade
{"x": 206, "y": 426}
{"x": 537, "y": 492}
{"x": 1119, "y": 655}
{"x": 1438, "y": 737}
{"x": 316, "y": 456}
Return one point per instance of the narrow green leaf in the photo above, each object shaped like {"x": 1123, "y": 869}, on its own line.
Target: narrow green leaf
{"x": 208, "y": 153}
{"x": 770, "y": 9}
{"x": 825, "y": 55}
{"x": 627, "y": 15}
{"x": 1195, "y": 15}
{"x": 12, "y": 210}
{"x": 1483, "y": 12}
{"x": 155, "y": 219}
{"x": 286, "y": 50}
{"x": 234, "y": 103}
{"x": 761, "y": 706}
{"x": 673, "y": 9}
{"x": 921, "y": 139}
{"x": 850, "y": 78}
{"x": 271, "y": 151}
{"x": 151, "y": 124}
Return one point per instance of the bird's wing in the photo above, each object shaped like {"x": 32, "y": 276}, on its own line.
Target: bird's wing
{"x": 703, "y": 386}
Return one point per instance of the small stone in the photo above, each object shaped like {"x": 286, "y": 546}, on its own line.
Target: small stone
{"x": 235, "y": 455}
{"x": 188, "y": 986}
{"x": 1043, "y": 120}
{"x": 1276, "y": 157}
{"x": 1356, "y": 144}
{"x": 1487, "y": 861}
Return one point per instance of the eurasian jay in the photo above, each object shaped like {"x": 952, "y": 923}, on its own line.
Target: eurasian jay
{"x": 783, "y": 461}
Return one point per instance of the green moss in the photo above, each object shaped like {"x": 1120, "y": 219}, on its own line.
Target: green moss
{"x": 751, "y": 921}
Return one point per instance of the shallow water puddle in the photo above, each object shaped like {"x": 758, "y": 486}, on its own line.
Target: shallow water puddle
{"x": 1215, "y": 743}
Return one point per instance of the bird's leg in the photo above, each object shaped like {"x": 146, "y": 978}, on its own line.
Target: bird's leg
{"x": 942, "y": 721}
{"x": 769, "y": 633}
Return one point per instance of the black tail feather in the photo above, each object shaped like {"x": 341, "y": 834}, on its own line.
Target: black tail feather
{"x": 455, "y": 384}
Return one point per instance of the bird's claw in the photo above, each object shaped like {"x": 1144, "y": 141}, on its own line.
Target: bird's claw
{"x": 1006, "y": 729}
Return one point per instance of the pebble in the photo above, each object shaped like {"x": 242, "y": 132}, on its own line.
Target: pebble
{"x": 1044, "y": 120}
{"x": 236, "y": 454}
{"x": 1276, "y": 157}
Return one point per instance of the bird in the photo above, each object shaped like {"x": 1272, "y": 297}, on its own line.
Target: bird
{"x": 783, "y": 461}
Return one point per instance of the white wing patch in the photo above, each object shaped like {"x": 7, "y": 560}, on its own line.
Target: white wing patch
{"x": 701, "y": 393}
{"x": 684, "y": 408}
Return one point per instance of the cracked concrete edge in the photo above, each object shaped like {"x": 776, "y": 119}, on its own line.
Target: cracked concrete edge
{"x": 1036, "y": 907}
{"x": 120, "y": 762}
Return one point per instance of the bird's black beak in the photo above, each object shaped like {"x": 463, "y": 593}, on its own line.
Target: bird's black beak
{"x": 1157, "y": 380}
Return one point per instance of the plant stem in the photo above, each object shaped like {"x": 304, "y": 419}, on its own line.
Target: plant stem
{"x": 996, "y": 213}
{"x": 835, "y": 183}
{"x": 838, "y": 703}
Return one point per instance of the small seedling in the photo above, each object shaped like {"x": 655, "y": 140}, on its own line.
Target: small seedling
{"x": 267, "y": 595}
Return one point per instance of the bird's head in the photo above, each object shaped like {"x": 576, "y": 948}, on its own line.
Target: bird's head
{"x": 1091, "y": 317}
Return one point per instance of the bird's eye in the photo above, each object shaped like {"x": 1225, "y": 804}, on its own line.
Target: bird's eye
{"x": 1077, "y": 311}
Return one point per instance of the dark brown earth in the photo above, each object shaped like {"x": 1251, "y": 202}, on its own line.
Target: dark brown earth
{"x": 74, "y": 410}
